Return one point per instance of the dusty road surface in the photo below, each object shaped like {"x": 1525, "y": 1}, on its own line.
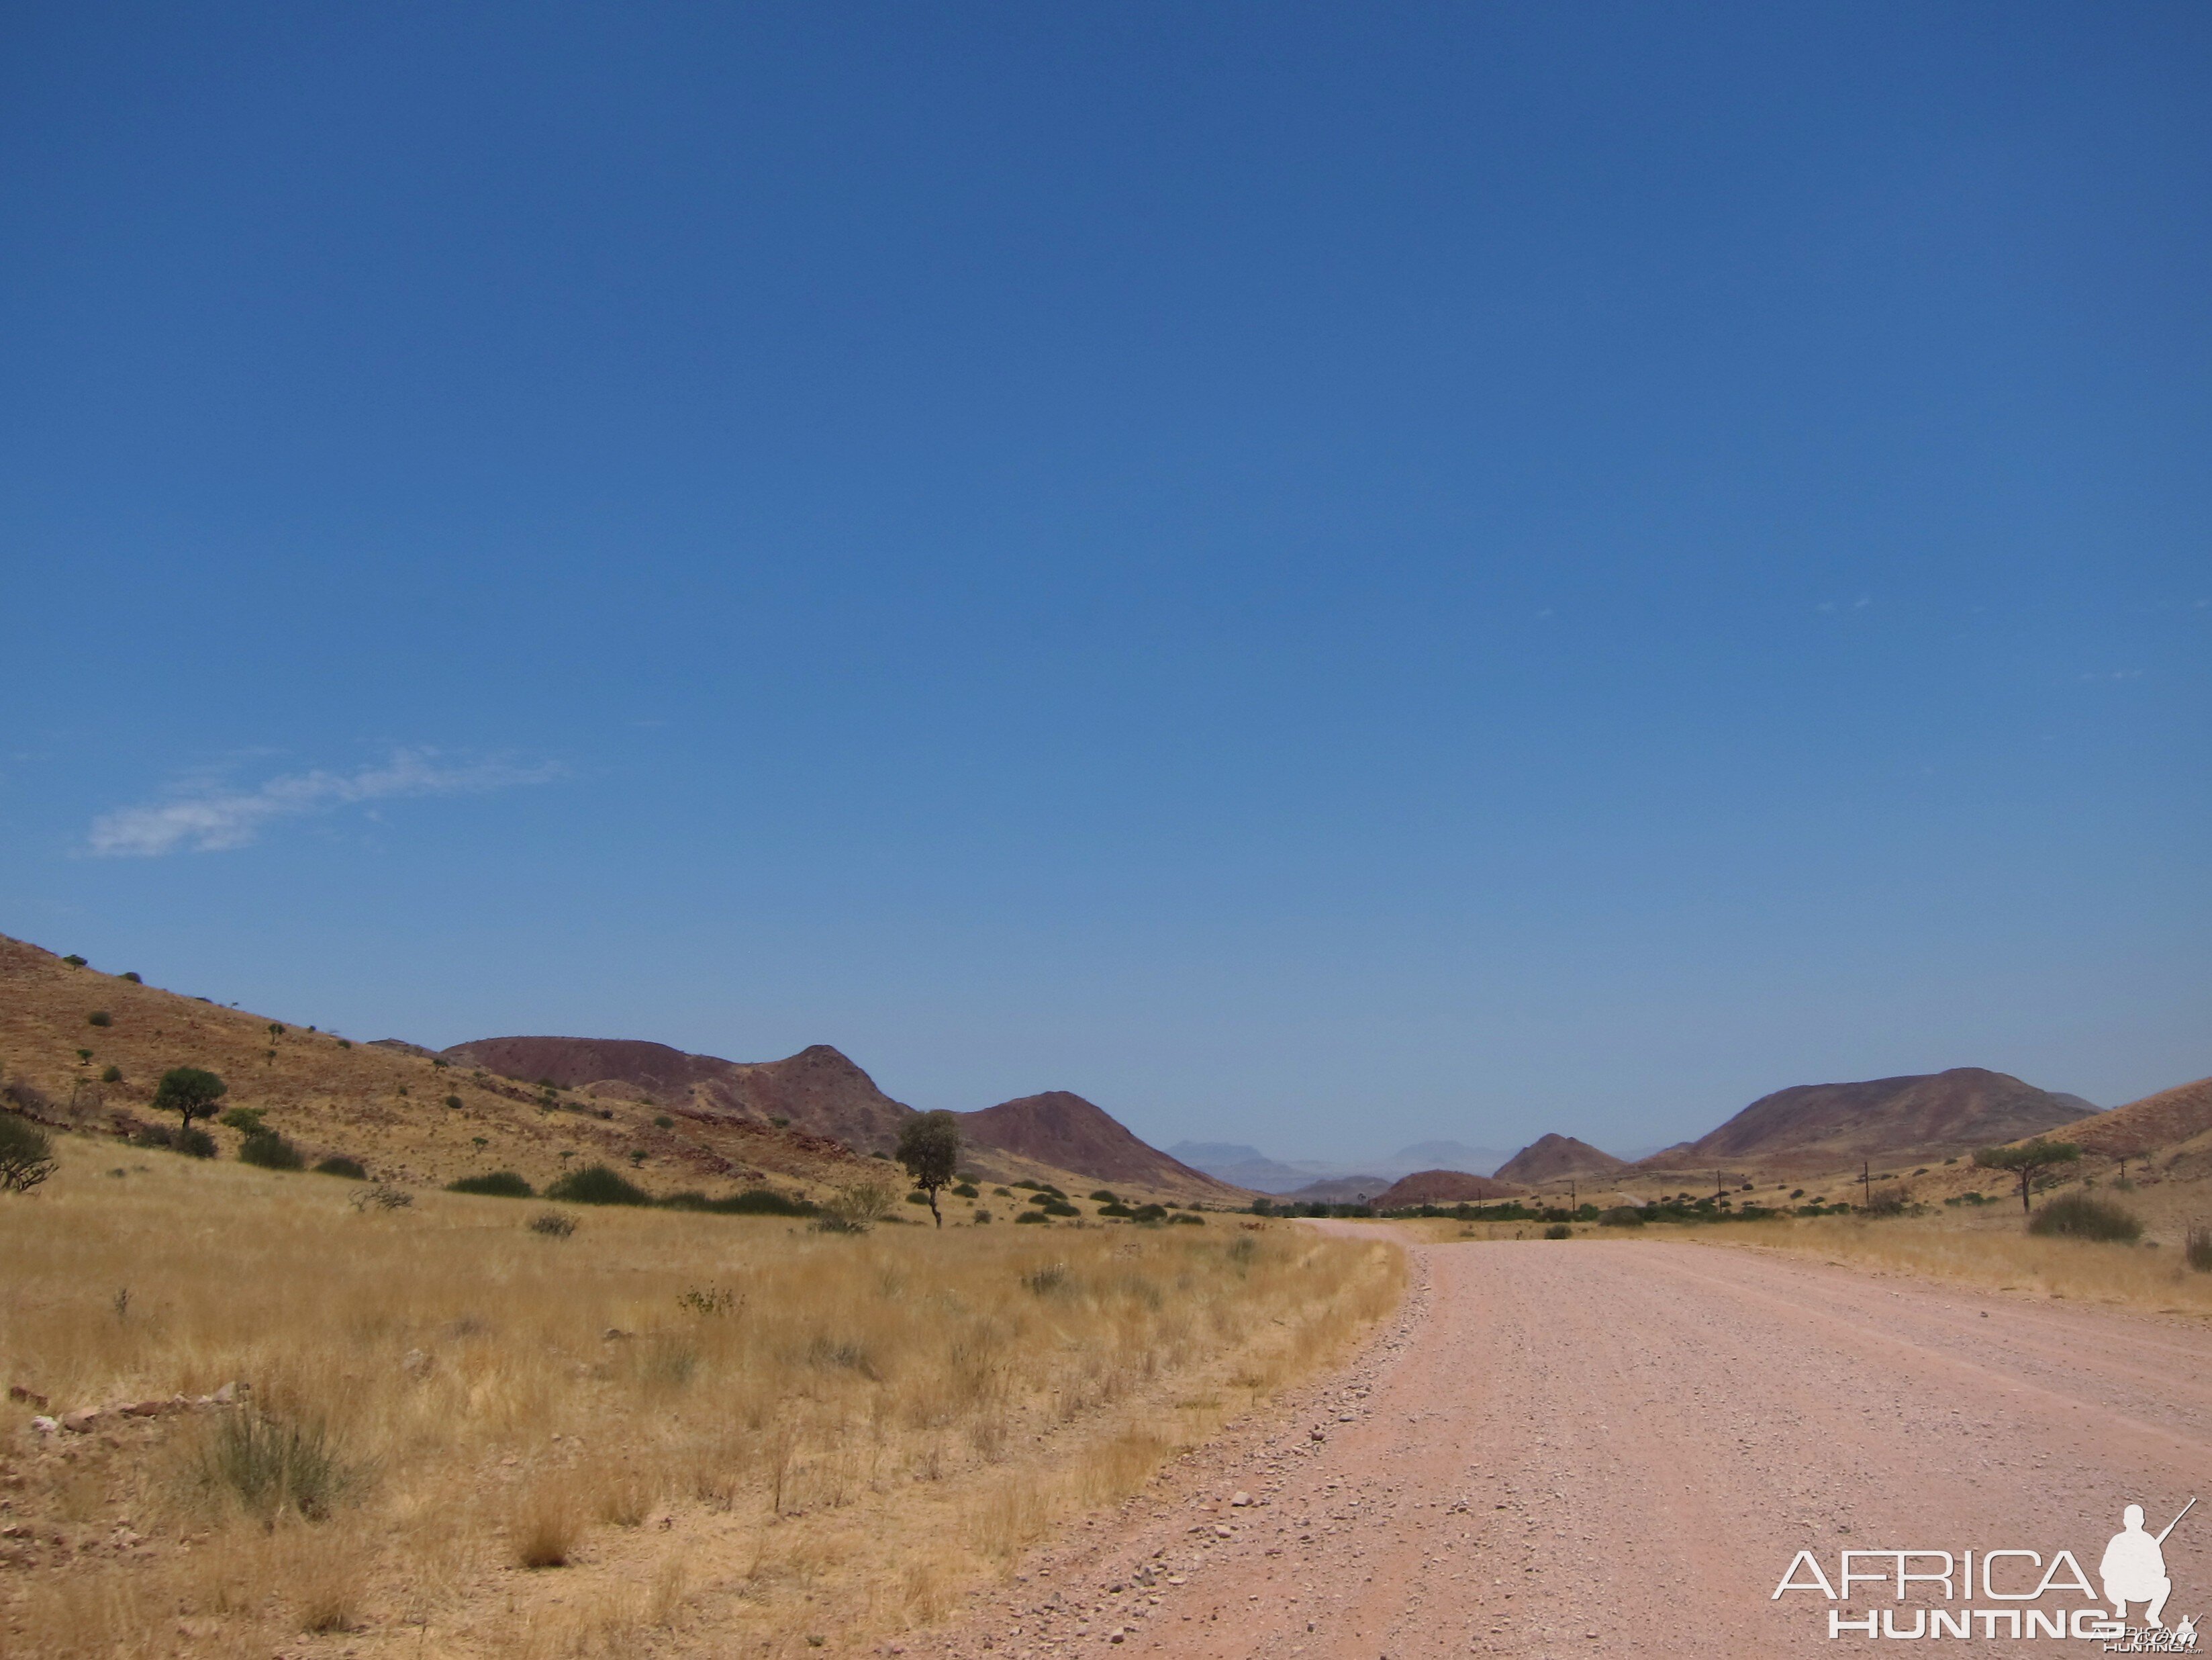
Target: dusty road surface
{"x": 1586, "y": 1446}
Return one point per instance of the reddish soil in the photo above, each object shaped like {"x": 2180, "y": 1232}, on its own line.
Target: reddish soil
{"x": 1578, "y": 1447}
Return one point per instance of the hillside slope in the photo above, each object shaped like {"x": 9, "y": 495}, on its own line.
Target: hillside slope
{"x": 1560, "y": 1158}
{"x": 2157, "y": 1123}
{"x": 1923, "y": 1116}
{"x": 407, "y": 1116}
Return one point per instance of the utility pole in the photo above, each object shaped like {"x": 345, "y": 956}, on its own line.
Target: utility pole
{"x": 1574, "y": 1196}
{"x": 1866, "y": 1187}
{"x": 1717, "y": 1188}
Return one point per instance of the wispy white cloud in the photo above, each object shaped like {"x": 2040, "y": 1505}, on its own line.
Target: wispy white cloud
{"x": 207, "y": 816}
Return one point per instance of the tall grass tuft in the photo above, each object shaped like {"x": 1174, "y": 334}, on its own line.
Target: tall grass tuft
{"x": 275, "y": 1467}
{"x": 2198, "y": 1249}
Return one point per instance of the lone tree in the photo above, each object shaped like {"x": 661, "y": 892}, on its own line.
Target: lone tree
{"x": 189, "y": 1092}
{"x": 929, "y": 1148}
{"x": 2028, "y": 1161}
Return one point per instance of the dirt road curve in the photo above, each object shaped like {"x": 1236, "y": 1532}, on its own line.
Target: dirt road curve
{"x": 1578, "y": 1447}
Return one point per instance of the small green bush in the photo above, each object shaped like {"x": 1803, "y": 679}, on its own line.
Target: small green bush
{"x": 1559, "y": 1230}
{"x": 982, "y": 1215}
{"x": 275, "y": 1467}
{"x": 1188, "y": 1219}
{"x": 1154, "y": 1213}
{"x": 454, "y": 1102}
{"x": 553, "y": 1225}
{"x": 967, "y": 1190}
{"x": 74, "y": 960}
{"x": 338, "y": 1165}
{"x": 761, "y": 1201}
{"x": 111, "y": 1075}
{"x": 194, "y": 1143}
{"x": 499, "y": 1184}
{"x": 2077, "y": 1216}
{"x": 245, "y": 1120}
{"x": 271, "y": 1150}
{"x": 1106, "y": 1196}
{"x": 1622, "y": 1216}
{"x": 100, "y": 1017}
{"x": 1032, "y": 1216}
{"x": 917, "y": 1197}
{"x": 1060, "y": 1208}
{"x": 1115, "y": 1208}
{"x": 131, "y": 975}
{"x": 596, "y": 1184}
{"x": 663, "y": 1121}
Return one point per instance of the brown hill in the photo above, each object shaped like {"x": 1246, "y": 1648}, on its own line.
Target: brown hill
{"x": 1927, "y": 1116}
{"x": 1056, "y": 1137}
{"x": 818, "y": 1090}
{"x": 410, "y": 1116}
{"x": 1060, "y": 1129}
{"x": 2153, "y": 1124}
{"x": 1441, "y": 1187}
{"x": 1560, "y": 1158}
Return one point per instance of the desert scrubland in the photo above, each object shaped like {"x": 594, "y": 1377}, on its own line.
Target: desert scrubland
{"x": 456, "y": 1434}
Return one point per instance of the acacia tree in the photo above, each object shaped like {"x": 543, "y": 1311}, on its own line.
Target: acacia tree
{"x": 2028, "y": 1161}
{"x": 189, "y": 1092}
{"x": 929, "y": 1148}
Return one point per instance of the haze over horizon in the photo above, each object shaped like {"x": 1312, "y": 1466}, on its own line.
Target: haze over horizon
{"x": 1321, "y": 580}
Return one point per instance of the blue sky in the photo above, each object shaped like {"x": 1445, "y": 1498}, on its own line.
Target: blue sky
{"x": 1320, "y": 576}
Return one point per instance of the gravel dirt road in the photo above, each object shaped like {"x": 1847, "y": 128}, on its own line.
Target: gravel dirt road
{"x": 1572, "y": 1447}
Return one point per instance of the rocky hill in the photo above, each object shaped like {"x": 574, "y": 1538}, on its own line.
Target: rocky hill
{"x": 1560, "y": 1158}
{"x": 1927, "y": 1116}
{"x": 1060, "y": 1129}
{"x": 1055, "y": 1137}
{"x": 1441, "y": 1187}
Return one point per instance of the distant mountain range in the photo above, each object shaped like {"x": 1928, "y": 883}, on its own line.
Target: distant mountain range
{"x": 1247, "y": 1167}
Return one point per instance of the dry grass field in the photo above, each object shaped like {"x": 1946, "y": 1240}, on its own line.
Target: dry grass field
{"x": 662, "y": 1433}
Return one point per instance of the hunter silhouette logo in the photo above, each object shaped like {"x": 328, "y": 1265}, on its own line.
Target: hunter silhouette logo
{"x": 2024, "y": 1586}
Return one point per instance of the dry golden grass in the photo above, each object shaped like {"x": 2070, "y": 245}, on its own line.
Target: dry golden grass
{"x": 832, "y": 1439}
{"x": 2004, "y": 1257}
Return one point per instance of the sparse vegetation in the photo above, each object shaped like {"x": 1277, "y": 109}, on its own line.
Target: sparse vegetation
{"x": 1559, "y": 1230}
{"x": 872, "y": 1423}
{"x": 2196, "y": 1251}
{"x": 338, "y": 1165}
{"x": 246, "y": 1121}
{"x": 2078, "y": 1216}
{"x": 553, "y": 1223}
{"x": 100, "y": 1017}
{"x": 454, "y": 1102}
{"x": 111, "y": 1075}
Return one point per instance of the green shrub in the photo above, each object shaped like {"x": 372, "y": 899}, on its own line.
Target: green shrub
{"x": 982, "y": 1215}
{"x": 245, "y": 1120}
{"x": 131, "y": 975}
{"x": 596, "y": 1184}
{"x": 1559, "y": 1230}
{"x": 2198, "y": 1249}
{"x": 663, "y": 1121}
{"x": 1032, "y": 1216}
{"x": 553, "y": 1223}
{"x": 111, "y": 1075}
{"x": 1149, "y": 1214}
{"x": 967, "y": 1190}
{"x": 100, "y": 1017}
{"x": 454, "y": 1102}
{"x": 277, "y": 1467}
{"x": 26, "y": 1154}
{"x": 1622, "y": 1216}
{"x": 2077, "y": 1216}
{"x": 1188, "y": 1219}
{"x": 338, "y": 1165}
{"x": 1115, "y": 1208}
{"x": 499, "y": 1184}
{"x": 1105, "y": 1196}
{"x": 194, "y": 1144}
{"x": 1060, "y": 1208}
{"x": 74, "y": 960}
{"x": 917, "y": 1197}
{"x": 269, "y": 1151}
